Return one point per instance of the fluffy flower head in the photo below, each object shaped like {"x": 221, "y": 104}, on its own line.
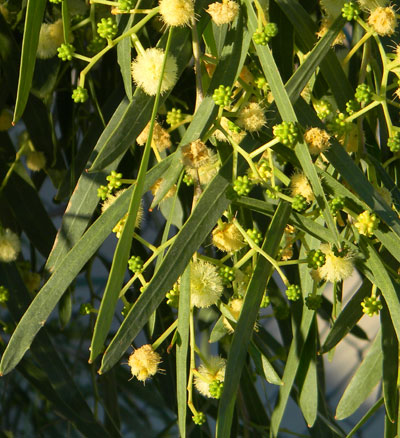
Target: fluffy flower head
{"x": 144, "y": 362}
{"x": 383, "y": 21}
{"x": 299, "y": 185}
{"x": 50, "y": 38}
{"x": 161, "y": 137}
{"x": 317, "y": 140}
{"x": 146, "y": 71}
{"x": 223, "y": 13}
{"x": 227, "y": 238}
{"x": 10, "y": 246}
{"x": 251, "y": 117}
{"x": 196, "y": 154}
{"x": 205, "y": 284}
{"x": 237, "y": 137}
{"x": 214, "y": 370}
{"x": 177, "y": 12}
{"x": 336, "y": 268}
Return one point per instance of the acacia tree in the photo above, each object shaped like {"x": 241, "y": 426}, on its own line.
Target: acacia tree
{"x": 244, "y": 156}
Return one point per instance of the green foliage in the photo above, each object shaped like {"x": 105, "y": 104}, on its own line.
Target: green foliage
{"x": 190, "y": 191}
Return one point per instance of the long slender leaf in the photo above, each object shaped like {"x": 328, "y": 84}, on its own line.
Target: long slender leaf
{"x": 33, "y": 20}
{"x": 67, "y": 269}
{"x": 248, "y": 315}
{"x": 182, "y": 349}
{"x": 363, "y": 382}
{"x": 390, "y": 365}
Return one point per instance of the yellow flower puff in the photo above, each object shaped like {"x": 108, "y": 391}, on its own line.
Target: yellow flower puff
{"x": 251, "y": 117}
{"x": 177, "y": 12}
{"x": 336, "y": 268}
{"x": 10, "y": 246}
{"x": 205, "y": 284}
{"x": 223, "y": 13}
{"x": 146, "y": 71}
{"x": 51, "y": 37}
{"x": 144, "y": 362}
{"x": 299, "y": 185}
{"x": 317, "y": 140}
{"x": 196, "y": 154}
{"x": 227, "y": 238}
{"x": 214, "y": 370}
{"x": 383, "y": 21}
{"x": 161, "y": 137}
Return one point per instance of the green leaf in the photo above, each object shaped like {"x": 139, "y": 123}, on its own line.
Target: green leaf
{"x": 383, "y": 281}
{"x": 291, "y": 368}
{"x": 371, "y": 411}
{"x": 52, "y": 378}
{"x": 307, "y": 378}
{"x": 65, "y": 309}
{"x": 264, "y": 365}
{"x": 68, "y": 267}
{"x": 390, "y": 366}
{"x": 232, "y": 58}
{"x": 347, "y": 318}
{"x": 182, "y": 349}
{"x": 129, "y": 120}
{"x": 248, "y": 315}
{"x": 305, "y": 31}
{"x": 211, "y": 205}
{"x": 33, "y": 21}
{"x": 363, "y": 382}
{"x": 218, "y": 331}
{"x": 124, "y": 53}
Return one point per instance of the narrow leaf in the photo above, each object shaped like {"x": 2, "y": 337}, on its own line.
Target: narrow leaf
{"x": 33, "y": 21}
{"x": 363, "y": 382}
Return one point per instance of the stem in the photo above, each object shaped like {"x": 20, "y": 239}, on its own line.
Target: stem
{"x": 264, "y": 147}
{"x": 197, "y": 65}
{"x": 356, "y": 47}
{"x": 165, "y": 335}
{"x": 254, "y": 246}
{"x": 192, "y": 363}
{"x": 113, "y": 43}
{"x": 364, "y": 110}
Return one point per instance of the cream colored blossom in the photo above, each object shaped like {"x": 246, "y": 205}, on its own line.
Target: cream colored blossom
{"x": 317, "y": 140}
{"x": 336, "y": 268}
{"x": 235, "y": 307}
{"x": 146, "y": 71}
{"x": 10, "y": 246}
{"x": 51, "y": 37}
{"x": 383, "y": 21}
{"x": 144, "y": 362}
{"x": 299, "y": 185}
{"x": 161, "y": 137}
{"x": 205, "y": 284}
{"x": 214, "y": 370}
{"x": 196, "y": 154}
{"x": 251, "y": 117}
{"x": 237, "y": 137}
{"x": 227, "y": 238}
{"x": 223, "y": 13}
{"x": 157, "y": 186}
{"x": 177, "y": 12}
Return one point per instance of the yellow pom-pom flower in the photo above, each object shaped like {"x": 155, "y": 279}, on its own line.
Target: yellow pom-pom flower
{"x": 144, "y": 362}
{"x": 336, "y": 267}
{"x": 299, "y": 185}
{"x": 161, "y": 137}
{"x": 227, "y": 238}
{"x": 317, "y": 140}
{"x": 51, "y": 37}
{"x": 10, "y": 246}
{"x": 206, "y": 374}
{"x": 146, "y": 71}
{"x": 177, "y": 12}
{"x": 383, "y": 21}
{"x": 251, "y": 117}
{"x": 367, "y": 223}
{"x": 205, "y": 284}
{"x": 223, "y": 13}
